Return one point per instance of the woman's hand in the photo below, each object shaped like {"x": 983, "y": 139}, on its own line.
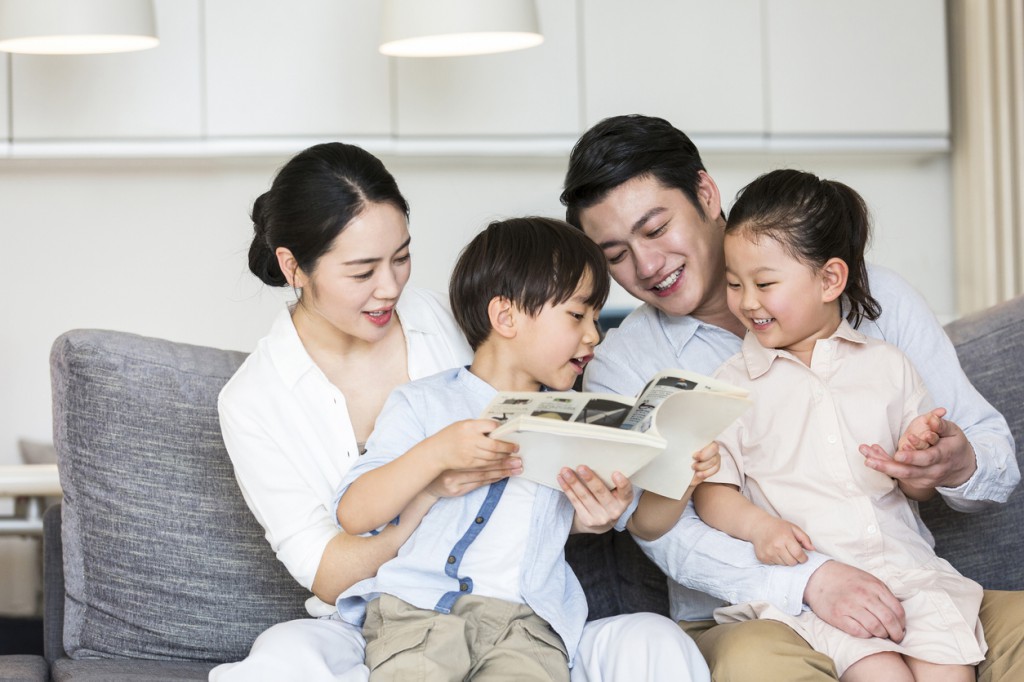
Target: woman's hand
{"x": 597, "y": 507}
{"x": 458, "y": 482}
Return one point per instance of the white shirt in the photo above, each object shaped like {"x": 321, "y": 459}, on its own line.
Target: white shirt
{"x": 290, "y": 438}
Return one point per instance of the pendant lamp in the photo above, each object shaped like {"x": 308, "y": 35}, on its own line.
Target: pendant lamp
{"x": 76, "y": 26}
{"x": 450, "y": 28}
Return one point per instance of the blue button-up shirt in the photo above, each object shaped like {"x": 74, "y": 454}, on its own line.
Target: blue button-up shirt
{"x": 426, "y": 573}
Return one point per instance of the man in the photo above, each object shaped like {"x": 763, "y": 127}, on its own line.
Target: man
{"x": 637, "y": 186}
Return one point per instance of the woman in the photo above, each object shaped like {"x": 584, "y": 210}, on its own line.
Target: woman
{"x": 333, "y": 226}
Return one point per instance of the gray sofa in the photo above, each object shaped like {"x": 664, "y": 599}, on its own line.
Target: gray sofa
{"x": 156, "y": 570}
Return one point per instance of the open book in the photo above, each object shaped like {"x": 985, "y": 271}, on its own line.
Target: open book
{"x": 650, "y": 439}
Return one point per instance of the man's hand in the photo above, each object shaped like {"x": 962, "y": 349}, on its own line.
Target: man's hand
{"x": 924, "y": 466}
{"x": 856, "y": 602}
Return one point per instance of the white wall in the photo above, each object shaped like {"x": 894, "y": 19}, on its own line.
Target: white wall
{"x": 158, "y": 247}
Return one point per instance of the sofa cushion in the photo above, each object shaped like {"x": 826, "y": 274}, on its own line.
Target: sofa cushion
{"x": 162, "y": 558}
{"x": 986, "y": 545}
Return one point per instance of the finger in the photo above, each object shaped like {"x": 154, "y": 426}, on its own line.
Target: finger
{"x": 854, "y": 627}
{"x": 623, "y": 486}
{"x": 804, "y": 539}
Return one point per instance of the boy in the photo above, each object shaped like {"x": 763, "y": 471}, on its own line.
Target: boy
{"x": 477, "y": 589}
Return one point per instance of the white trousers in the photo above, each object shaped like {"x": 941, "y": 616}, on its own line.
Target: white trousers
{"x": 631, "y": 647}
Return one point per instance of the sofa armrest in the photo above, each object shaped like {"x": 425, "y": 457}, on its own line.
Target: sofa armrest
{"x": 23, "y": 668}
{"x": 53, "y": 585}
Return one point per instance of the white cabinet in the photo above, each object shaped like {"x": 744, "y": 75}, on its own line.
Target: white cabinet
{"x": 695, "y": 63}
{"x": 526, "y": 92}
{"x": 296, "y": 68}
{"x": 150, "y": 94}
{"x": 870, "y": 67}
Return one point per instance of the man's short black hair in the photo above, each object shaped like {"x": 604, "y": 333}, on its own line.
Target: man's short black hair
{"x": 620, "y": 148}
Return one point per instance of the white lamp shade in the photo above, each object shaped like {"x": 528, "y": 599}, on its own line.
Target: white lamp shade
{"x": 450, "y": 28}
{"x": 76, "y": 26}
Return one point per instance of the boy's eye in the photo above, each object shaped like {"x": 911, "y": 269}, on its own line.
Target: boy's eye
{"x": 577, "y": 316}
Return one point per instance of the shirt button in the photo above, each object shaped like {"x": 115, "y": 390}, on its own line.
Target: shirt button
{"x": 463, "y": 587}
{"x": 479, "y": 519}
{"x": 832, "y": 438}
{"x": 451, "y": 560}
{"x": 871, "y": 530}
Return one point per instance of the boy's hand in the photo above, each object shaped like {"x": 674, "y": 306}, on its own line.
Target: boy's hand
{"x": 777, "y": 541}
{"x": 597, "y": 507}
{"x": 706, "y": 462}
{"x": 467, "y": 445}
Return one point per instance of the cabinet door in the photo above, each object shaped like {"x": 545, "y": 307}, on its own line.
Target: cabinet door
{"x": 150, "y": 94}
{"x": 525, "y": 92}
{"x": 695, "y": 63}
{"x": 302, "y": 67}
{"x": 867, "y": 67}
{"x": 5, "y": 93}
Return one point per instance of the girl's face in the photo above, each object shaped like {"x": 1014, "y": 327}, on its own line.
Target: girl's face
{"x": 554, "y": 346}
{"x": 355, "y": 285}
{"x": 783, "y": 301}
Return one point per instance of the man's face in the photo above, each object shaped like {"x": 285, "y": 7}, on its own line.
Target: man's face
{"x": 658, "y": 247}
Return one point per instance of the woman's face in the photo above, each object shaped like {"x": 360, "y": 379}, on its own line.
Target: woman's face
{"x": 355, "y": 285}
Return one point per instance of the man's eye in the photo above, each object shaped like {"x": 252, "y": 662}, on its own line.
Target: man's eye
{"x": 617, "y": 258}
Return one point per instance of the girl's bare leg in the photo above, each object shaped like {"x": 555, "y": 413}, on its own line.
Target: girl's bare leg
{"x": 887, "y": 665}
{"x": 936, "y": 672}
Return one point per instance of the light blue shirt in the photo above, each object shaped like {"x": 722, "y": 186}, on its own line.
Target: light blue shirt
{"x": 713, "y": 563}
{"x": 426, "y": 571}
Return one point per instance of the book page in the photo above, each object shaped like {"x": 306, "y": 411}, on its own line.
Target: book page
{"x": 602, "y": 409}
{"x": 666, "y": 383}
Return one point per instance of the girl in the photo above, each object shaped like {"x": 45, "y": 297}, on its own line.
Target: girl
{"x": 791, "y": 477}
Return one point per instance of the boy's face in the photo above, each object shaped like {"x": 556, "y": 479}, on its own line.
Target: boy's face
{"x": 781, "y": 300}
{"x": 553, "y": 347}
{"x": 658, "y": 247}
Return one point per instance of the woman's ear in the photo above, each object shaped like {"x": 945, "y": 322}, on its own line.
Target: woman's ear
{"x": 834, "y": 274}
{"x": 290, "y": 267}
{"x": 502, "y": 315}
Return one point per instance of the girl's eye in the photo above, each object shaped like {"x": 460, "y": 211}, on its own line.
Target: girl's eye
{"x": 733, "y": 285}
{"x": 765, "y": 285}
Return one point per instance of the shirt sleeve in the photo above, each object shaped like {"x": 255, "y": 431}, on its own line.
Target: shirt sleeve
{"x": 296, "y": 523}
{"x": 702, "y": 558}
{"x": 909, "y": 324}
{"x": 397, "y": 429}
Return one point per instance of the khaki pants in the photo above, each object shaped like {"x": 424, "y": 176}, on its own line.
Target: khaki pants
{"x": 769, "y": 651}
{"x": 481, "y": 639}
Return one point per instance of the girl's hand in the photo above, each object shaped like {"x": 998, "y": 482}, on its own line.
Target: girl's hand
{"x": 923, "y": 432}
{"x": 597, "y": 507}
{"x": 780, "y": 542}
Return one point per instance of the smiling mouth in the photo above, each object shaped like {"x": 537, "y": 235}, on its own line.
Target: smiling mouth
{"x": 668, "y": 281}
{"x": 581, "y": 362}
{"x": 760, "y": 322}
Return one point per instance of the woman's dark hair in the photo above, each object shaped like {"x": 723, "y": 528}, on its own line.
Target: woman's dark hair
{"x": 530, "y": 261}
{"x": 814, "y": 220}
{"x": 313, "y": 197}
{"x": 620, "y": 148}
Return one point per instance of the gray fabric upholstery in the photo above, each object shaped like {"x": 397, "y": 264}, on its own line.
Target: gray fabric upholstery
{"x": 53, "y": 586}
{"x": 987, "y": 546}
{"x": 162, "y": 559}
{"x": 23, "y": 668}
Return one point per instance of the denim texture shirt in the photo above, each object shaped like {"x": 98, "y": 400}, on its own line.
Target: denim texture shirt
{"x": 426, "y": 571}
{"x": 715, "y": 567}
